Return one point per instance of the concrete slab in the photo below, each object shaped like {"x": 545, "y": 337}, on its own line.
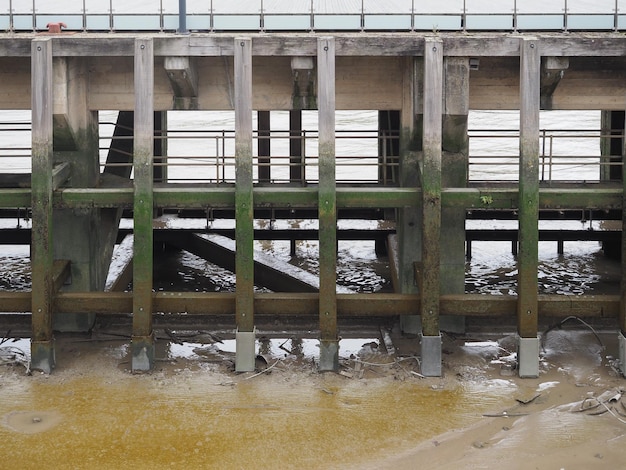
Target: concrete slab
{"x": 245, "y": 351}
{"x": 431, "y": 356}
{"x": 42, "y": 356}
{"x": 142, "y": 353}
{"x": 528, "y": 357}
{"x": 329, "y": 356}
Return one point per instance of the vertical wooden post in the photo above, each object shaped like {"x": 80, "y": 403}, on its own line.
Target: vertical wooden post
{"x": 264, "y": 146}
{"x": 527, "y": 260}
{"x": 431, "y": 207}
{"x": 327, "y": 203}
{"x": 42, "y": 342}
{"x": 244, "y": 210}
{"x": 142, "y": 345}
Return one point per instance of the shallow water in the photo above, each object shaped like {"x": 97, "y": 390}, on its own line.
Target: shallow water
{"x": 187, "y": 419}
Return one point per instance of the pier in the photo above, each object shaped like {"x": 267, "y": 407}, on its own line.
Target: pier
{"x": 423, "y": 83}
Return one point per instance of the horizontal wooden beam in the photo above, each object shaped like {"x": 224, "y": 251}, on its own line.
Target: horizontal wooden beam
{"x": 347, "y": 44}
{"x": 348, "y": 305}
{"x": 576, "y": 197}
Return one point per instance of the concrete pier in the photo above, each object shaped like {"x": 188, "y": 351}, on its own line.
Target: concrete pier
{"x": 425, "y": 83}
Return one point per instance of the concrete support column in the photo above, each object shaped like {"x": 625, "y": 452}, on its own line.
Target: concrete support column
{"x": 79, "y": 235}
{"x": 327, "y": 204}
{"x": 160, "y": 146}
{"x": 455, "y": 156}
{"x": 296, "y": 170}
{"x": 142, "y": 344}
{"x": 264, "y": 146}
{"x": 42, "y": 341}
{"x": 429, "y": 274}
{"x": 409, "y": 238}
{"x": 527, "y": 260}
{"x": 244, "y": 210}
{"x": 611, "y": 144}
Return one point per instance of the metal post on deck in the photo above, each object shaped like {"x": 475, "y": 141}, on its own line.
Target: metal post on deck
{"x": 42, "y": 341}
{"x": 142, "y": 343}
{"x": 429, "y": 283}
{"x": 327, "y": 207}
{"x": 527, "y": 260}
{"x": 182, "y": 17}
{"x": 244, "y": 210}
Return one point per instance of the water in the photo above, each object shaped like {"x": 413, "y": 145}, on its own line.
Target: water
{"x": 492, "y": 269}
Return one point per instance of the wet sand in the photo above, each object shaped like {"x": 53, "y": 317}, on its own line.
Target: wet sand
{"x": 194, "y": 412}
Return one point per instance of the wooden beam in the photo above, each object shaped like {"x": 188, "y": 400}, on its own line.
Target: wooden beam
{"x": 429, "y": 284}
{"x": 327, "y": 204}
{"x": 244, "y": 206}
{"x": 142, "y": 344}
{"x": 42, "y": 348}
{"x": 527, "y": 262}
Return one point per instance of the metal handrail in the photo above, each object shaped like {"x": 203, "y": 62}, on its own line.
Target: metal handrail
{"x": 178, "y": 21}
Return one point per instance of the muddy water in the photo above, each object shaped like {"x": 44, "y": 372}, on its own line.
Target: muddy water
{"x": 190, "y": 415}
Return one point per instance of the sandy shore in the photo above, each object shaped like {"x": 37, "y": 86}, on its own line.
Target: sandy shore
{"x": 194, "y": 411}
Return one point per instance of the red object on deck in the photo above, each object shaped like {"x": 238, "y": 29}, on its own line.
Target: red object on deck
{"x": 55, "y": 27}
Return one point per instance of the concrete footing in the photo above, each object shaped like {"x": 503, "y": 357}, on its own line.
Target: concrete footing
{"x": 245, "y": 351}
{"x": 329, "y": 356}
{"x": 622, "y": 352}
{"x": 528, "y": 357}
{"x": 42, "y": 356}
{"x": 431, "y": 356}
{"x": 142, "y": 353}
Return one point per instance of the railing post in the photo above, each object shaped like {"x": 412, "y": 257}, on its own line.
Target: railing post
{"x": 182, "y": 17}
{"x": 142, "y": 344}
{"x": 327, "y": 206}
{"x": 42, "y": 342}
{"x": 244, "y": 210}
{"x": 527, "y": 262}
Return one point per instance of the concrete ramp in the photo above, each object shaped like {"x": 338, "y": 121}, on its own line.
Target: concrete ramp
{"x": 269, "y": 272}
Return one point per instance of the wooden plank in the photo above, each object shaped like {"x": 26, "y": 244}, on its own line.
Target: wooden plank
{"x": 327, "y": 197}
{"x": 429, "y": 284}
{"x": 41, "y": 183}
{"x": 143, "y": 181}
{"x": 528, "y": 258}
{"x": 244, "y": 206}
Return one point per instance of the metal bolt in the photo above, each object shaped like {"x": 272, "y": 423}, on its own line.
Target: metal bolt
{"x": 326, "y": 48}
{"x": 532, "y": 46}
{"x": 38, "y": 48}
{"x": 434, "y": 48}
{"x": 242, "y": 43}
{"x": 528, "y": 312}
{"x": 143, "y": 46}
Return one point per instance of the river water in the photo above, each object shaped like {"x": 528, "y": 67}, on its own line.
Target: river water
{"x": 572, "y": 138}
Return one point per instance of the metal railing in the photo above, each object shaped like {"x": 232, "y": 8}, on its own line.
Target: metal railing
{"x": 564, "y": 155}
{"x": 208, "y": 156}
{"x": 313, "y": 15}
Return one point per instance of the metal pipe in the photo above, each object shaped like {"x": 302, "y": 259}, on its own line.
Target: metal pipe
{"x": 182, "y": 17}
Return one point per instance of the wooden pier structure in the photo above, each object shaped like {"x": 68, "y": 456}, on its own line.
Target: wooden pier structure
{"x": 428, "y": 81}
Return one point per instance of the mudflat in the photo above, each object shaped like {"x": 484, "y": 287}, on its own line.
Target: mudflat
{"x": 193, "y": 411}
